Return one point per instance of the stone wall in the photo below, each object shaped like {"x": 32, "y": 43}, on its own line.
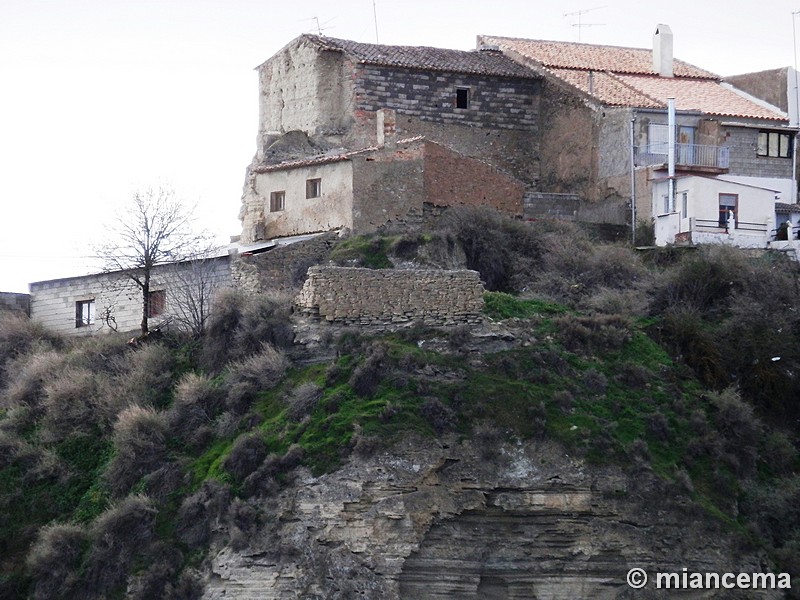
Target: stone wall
{"x": 379, "y": 296}
{"x": 282, "y": 269}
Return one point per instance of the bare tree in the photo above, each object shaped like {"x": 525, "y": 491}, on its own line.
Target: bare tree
{"x": 156, "y": 228}
{"x": 196, "y": 283}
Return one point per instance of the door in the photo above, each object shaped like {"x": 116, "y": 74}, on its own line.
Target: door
{"x": 686, "y": 147}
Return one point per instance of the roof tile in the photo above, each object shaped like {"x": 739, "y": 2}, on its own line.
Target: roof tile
{"x": 423, "y": 57}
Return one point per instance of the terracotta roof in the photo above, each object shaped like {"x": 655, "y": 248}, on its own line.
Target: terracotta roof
{"x": 617, "y": 76}
{"x": 571, "y": 55}
{"x": 332, "y": 157}
{"x": 427, "y": 58}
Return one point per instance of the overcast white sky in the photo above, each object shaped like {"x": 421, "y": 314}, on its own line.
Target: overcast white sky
{"x": 100, "y": 97}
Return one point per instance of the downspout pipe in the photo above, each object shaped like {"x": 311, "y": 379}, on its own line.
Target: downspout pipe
{"x": 633, "y": 180}
{"x": 671, "y": 150}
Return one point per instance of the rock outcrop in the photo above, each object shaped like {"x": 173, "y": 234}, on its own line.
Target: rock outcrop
{"x": 470, "y": 519}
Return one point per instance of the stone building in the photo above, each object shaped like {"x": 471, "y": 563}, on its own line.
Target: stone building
{"x": 361, "y": 190}
{"x": 603, "y": 104}
{"x": 334, "y": 106}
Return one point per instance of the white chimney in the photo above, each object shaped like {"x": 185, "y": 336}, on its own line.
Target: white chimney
{"x": 662, "y": 51}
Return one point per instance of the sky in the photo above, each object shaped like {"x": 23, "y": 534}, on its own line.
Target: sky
{"x": 100, "y": 98}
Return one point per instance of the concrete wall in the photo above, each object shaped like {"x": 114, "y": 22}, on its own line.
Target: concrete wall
{"x": 332, "y": 210}
{"x": 380, "y": 296}
{"x": 53, "y": 302}
{"x": 15, "y": 302}
{"x": 771, "y": 86}
{"x": 743, "y": 142}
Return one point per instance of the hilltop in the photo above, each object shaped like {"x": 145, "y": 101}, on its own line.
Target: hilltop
{"x": 614, "y": 409}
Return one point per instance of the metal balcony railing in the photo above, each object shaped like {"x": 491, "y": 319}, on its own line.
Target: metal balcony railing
{"x": 686, "y": 155}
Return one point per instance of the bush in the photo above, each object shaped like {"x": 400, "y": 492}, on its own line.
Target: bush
{"x": 197, "y": 401}
{"x": 54, "y": 560}
{"x": 241, "y": 324}
{"x": 367, "y": 376}
{"x": 261, "y": 371}
{"x": 302, "y": 400}
{"x": 739, "y": 430}
{"x": 502, "y": 250}
{"x": 71, "y": 405}
{"x": 201, "y": 513}
{"x": 593, "y": 335}
{"x": 439, "y": 416}
{"x": 247, "y": 453}
{"x": 120, "y": 534}
{"x": 140, "y": 448}
{"x": 18, "y": 336}
{"x": 149, "y": 377}
{"x": 28, "y": 376}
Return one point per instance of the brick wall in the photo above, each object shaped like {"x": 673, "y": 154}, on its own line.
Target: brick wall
{"x": 388, "y": 296}
{"x": 452, "y": 179}
{"x": 497, "y": 102}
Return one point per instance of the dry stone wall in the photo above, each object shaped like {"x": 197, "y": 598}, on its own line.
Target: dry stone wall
{"x": 387, "y": 296}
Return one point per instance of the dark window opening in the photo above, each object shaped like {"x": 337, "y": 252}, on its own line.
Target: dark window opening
{"x": 156, "y": 303}
{"x": 313, "y": 188}
{"x": 277, "y": 201}
{"x": 774, "y": 143}
{"x": 462, "y": 97}
{"x": 84, "y": 313}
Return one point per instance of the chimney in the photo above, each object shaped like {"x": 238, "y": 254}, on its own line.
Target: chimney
{"x": 662, "y": 51}
{"x": 386, "y": 121}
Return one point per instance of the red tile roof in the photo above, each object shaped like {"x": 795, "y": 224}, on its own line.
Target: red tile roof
{"x": 571, "y": 55}
{"x": 617, "y": 76}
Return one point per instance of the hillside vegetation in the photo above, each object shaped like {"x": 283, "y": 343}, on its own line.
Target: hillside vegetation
{"x": 119, "y": 465}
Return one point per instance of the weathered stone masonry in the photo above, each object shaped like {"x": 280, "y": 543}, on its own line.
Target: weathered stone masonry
{"x": 379, "y": 296}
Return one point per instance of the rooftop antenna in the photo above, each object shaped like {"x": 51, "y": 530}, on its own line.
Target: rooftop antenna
{"x": 320, "y": 27}
{"x": 375, "y": 15}
{"x": 580, "y": 24}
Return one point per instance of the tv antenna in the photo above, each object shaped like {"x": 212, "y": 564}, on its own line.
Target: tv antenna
{"x": 375, "y": 15}
{"x": 580, "y": 24}
{"x": 320, "y": 27}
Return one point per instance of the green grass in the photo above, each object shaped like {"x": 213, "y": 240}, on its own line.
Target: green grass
{"x": 365, "y": 251}
{"x": 499, "y": 306}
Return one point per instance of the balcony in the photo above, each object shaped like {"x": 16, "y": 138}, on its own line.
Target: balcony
{"x": 692, "y": 157}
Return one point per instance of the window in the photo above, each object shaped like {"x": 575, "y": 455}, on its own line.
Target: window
{"x": 774, "y": 143}
{"x": 313, "y": 188}
{"x": 684, "y": 204}
{"x": 84, "y": 313}
{"x": 277, "y": 201}
{"x": 658, "y": 138}
{"x": 727, "y": 204}
{"x": 156, "y": 303}
{"x": 462, "y": 97}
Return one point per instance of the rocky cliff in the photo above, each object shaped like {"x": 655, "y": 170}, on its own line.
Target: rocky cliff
{"x": 470, "y": 519}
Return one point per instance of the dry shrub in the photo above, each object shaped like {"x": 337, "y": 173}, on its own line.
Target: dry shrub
{"x": 149, "y": 377}
{"x": 261, "y": 371}
{"x": 610, "y": 301}
{"x": 440, "y": 416}
{"x": 27, "y": 378}
{"x": 593, "y": 335}
{"x": 367, "y": 376}
{"x": 247, "y": 453}
{"x": 739, "y": 430}
{"x": 54, "y": 560}
{"x": 302, "y": 400}
{"x": 241, "y": 324}
{"x": 156, "y": 580}
{"x": 504, "y": 251}
{"x": 71, "y": 404}
{"x": 120, "y": 534}
{"x": 140, "y": 447}
{"x": 19, "y": 335}
{"x": 197, "y": 401}
{"x": 201, "y": 513}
